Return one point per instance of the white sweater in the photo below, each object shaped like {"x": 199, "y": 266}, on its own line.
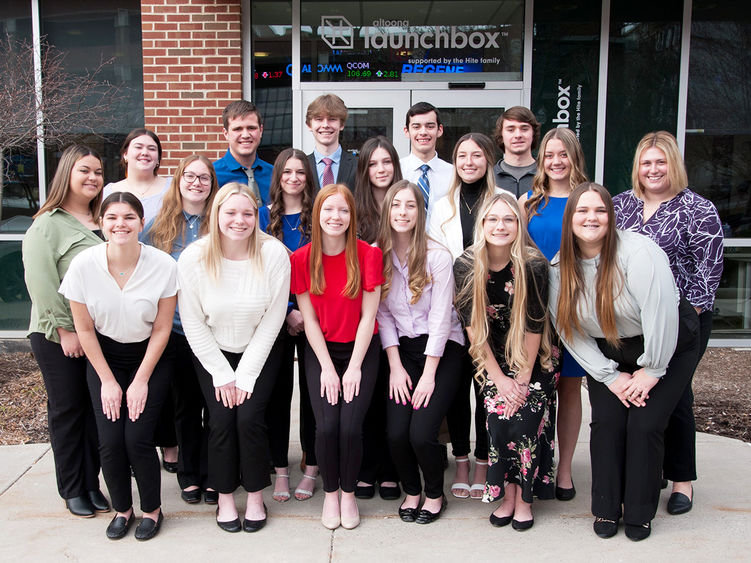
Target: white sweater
{"x": 241, "y": 312}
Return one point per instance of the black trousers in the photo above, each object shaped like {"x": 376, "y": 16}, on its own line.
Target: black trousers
{"x": 680, "y": 435}
{"x": 459, "y": 416}
{"x": 279, "y": 407}
{"x": 413, "y": 434}
{"x": 626, "y": 444}
{"x": 70, "y": 418}
{"x": 339, "y": 426}
{"x": 238, "y": 443}
{"x": 377, "y": 464}
{"x": 123, "y": 443}
{"x": 191, "y": 416}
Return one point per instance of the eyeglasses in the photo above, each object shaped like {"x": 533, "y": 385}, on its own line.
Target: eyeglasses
{"x": 204, "y": 179}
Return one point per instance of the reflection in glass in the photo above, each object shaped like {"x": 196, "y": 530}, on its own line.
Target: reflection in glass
{"x": 732, "y": 306}
{"x": 459, "y": 121}
{"x": 15, "y": 303}
{"x": 364, "y": 123}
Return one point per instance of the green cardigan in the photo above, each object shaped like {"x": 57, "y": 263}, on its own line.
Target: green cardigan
{"x": 52, "y": 241}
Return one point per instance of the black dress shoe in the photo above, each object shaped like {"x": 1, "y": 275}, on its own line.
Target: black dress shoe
{"x": 638, "y": 532}
{"x": 251, "y": 526}
{"x": 99, "y": 501}
{"x": 191, "y": 497}
{"x": 148, "y": 528}
{"x": 80, "y": 506}
{"x": 426, "y": 517}
{"x": 211, "y": 497}
{"x": 365, "y": 492}
{"x": 169, "y": 466}
{"x": 521, "y": 526}
{"x": 664, "y": 483}
{"x": 565, "y": 494}
{"x": 232, "y": 526}
{"x": 500, "y": 521}
{"x": 678, "y": 503}
{"x": 408, "y": 514}
{"x": 390, "y": 493}
{"x": 605, "y": 528}
{"x": 119, "y": 526}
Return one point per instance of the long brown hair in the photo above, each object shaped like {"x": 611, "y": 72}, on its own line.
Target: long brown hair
{"x": 317, "y": 281}
{"x": 60, "y": 184}
{"x": 609, "y": 282}
{"x": 276, "y": 194}
{"x": 417, "y": 253}
{"x": 473, "y": 294}
{"x": 368, "y": 211}
{"x": 541, "y": 182}
{"x": 126, "y": 143}
{"x": 169, "y": 224}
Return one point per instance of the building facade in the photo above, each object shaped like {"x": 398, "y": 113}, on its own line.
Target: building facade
{"x": 611, "y": 70}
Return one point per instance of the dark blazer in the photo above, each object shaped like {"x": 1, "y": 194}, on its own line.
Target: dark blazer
{"x": 347, "y": 170}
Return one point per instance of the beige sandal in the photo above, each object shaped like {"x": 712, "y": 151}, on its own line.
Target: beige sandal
{"x": 460, "y": 490}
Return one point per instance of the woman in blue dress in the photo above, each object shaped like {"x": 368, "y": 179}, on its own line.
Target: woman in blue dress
{"x": 560, "y": 168}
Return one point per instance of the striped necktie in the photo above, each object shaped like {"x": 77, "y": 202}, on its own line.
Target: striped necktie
{"x": 424, "y": 183}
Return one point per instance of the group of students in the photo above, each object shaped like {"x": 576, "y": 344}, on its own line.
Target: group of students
{"x": 395, "y": 295}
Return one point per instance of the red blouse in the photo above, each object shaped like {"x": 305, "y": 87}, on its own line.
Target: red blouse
{"x": 338, "y": 315}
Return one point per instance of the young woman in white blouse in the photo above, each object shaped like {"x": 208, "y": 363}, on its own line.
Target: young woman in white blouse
{"x": 122, "y": 295}
{"x": 615, "y": 304}
{"x": 423, "y": 339}
{"x": 235, "y": 288}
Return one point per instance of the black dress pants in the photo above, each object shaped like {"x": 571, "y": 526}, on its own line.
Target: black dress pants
{"x": 123, "y": 443}
{"x": 339, "y": 426}
{"x": 377, "y": 464}
{"x": 626, "y": 443}
{"x": 191, "y": 416}
{"x": 459, "y": 416}
{"x": 70, "y": 418}
{"x": 238, "y": 442}
{"x": 680, "y": 435}
{"x": 413, "y": 434}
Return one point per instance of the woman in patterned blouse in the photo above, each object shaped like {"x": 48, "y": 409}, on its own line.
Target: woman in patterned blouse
{"x": 686, "y": 226}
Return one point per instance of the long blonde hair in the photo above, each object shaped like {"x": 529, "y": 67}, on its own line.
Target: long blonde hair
{"x": 541, "y": 182}
{"x": 473, "y": 294}
{"x": 417, "y": 253}
{"x": 212, "y": 250}
{"x": 60, "y": 184}
{"x": 609, "y": 282}
{"x": 170, "y": 221}
{"x": 317, "y": 280}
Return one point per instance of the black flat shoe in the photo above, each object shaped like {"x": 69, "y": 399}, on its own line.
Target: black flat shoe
{"x": 565, "y": 494}
{"x": 232, "y": 526}
{"x": 663, "y": 483}
{"x": 521, "y": 526}
{"x": 80, "y": 506}
{"x": 211, "y": 497}
{"x": 500, "y": 521}
{"x": 426, "y": 517}
{"x": 191, "y": 497}
{"x": 678, "y": 503}
{"x": 119, "y": 526}
{"x": 638, "y": 532}
{"x": 605, "y": 528}
{"x": 99, "y": 501}
{"x": 251, "y": 526}
{"x": 364, "y": 492}
{"x": 408, "y": 514}
{"x": 148, "y": 528}
{"x": 169, "y": 466}
{"x": 390, "y": 493}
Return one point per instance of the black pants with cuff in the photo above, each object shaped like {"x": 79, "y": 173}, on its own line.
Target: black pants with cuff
{"x": 459, "y": 416}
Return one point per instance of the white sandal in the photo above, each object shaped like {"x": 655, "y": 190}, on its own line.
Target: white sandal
{"x": 464, "y": 487}
{"x": 305, "y": 493}
{"x": 478, "y": 486}
{"x": 281, "y": 496}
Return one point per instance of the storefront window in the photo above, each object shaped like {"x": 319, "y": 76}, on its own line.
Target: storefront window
{"x": 643, "y": 74}
{"x": 386, "y": 41}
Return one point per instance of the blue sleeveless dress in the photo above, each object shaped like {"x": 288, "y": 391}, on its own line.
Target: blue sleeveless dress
{"x": 545, "y": 229}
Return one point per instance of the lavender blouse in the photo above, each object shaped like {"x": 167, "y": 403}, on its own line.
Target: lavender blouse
{"x": 687, "y": 227}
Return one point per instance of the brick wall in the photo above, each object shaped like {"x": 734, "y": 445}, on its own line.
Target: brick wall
{"x": 192, "y": 68}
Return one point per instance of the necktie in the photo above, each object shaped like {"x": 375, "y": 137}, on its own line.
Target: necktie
{"x": 328, "y": 173}
{"x": 252, "y": 184}
{"x": 424, "y": 183}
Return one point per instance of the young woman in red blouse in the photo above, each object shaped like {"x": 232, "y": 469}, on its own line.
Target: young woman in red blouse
{"x": 337, "y": 280}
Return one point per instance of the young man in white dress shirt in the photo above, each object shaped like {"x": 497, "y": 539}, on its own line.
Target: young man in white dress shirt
{"x": 422, "y": 165}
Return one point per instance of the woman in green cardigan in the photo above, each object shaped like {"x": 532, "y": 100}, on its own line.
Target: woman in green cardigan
{"x": 63, "y": 227}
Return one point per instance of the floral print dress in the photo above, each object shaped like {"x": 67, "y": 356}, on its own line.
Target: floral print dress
{"x": 522, "y": 447}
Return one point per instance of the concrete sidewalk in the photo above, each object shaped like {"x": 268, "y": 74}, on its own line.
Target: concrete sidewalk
{"x": 34, "y": 524}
